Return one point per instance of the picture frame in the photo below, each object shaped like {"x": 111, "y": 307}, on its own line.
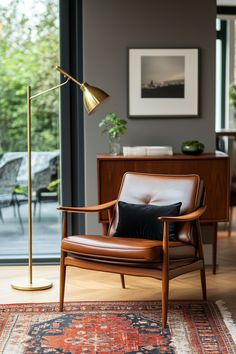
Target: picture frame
{"x": 163, "y": 82}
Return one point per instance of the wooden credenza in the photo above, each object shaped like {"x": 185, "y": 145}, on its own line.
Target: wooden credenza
{"x": 212, "y": 168}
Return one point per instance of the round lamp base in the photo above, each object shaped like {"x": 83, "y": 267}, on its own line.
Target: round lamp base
{"x": 37, "y": 284}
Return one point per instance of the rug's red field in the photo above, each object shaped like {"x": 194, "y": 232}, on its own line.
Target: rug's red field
{"x": 113, "y": 327}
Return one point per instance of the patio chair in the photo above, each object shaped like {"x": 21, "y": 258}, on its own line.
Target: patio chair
{"x": 43, "y": 194}
{"x": 8, "y": 181}
{"x": 154, "y": 232}
{"x": 45, "y": 174}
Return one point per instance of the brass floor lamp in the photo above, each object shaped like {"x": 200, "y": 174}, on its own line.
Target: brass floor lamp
{"x": 92, "y": 97}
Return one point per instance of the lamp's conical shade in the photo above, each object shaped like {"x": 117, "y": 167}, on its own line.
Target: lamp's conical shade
{"x": 92, "y": 97}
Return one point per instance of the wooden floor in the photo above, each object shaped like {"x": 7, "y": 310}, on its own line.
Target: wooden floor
{"x": 88, "y": 285}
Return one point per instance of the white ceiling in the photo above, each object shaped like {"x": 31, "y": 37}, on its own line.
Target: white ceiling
{"x": 226, "y": 2}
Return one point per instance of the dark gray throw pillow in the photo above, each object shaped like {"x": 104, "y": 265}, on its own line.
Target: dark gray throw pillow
{"x": 141, "y": 220}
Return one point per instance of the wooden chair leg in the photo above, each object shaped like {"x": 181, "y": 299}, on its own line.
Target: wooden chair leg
{"x": 165, "y": 276}
{"x": 122, "y": 278}
{"x": 62, "y": 281}
{"x": 165, "y": 297}
{"x": 203, "y": 282}
{"x": 214, "y": 249}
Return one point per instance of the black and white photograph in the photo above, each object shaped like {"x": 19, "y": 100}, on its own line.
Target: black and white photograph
{"x": 163, "y": 82}
{"x": 162, "y": 77}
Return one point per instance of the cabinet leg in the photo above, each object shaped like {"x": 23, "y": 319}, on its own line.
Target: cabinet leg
{"x": 214, "y": 249}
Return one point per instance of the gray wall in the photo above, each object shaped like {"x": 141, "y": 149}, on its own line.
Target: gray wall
{"x": 112, "y": 26}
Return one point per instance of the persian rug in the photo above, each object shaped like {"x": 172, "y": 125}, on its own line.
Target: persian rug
{"x": 116, "y": 327}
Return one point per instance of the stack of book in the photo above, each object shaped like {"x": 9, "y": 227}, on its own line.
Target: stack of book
{"x": 147, "y": 150}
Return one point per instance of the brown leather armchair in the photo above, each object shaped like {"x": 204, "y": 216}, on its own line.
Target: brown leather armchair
{"x": 160, "y": 259}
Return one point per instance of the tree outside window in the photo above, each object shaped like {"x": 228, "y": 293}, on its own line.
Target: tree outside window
{"x": 29, "y": 43}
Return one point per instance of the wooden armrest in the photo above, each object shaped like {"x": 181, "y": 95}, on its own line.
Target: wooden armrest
{"x": 187, "y": 217}
{"x": 92, "y": 209}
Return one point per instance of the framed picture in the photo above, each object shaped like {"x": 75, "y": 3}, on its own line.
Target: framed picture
{"x": 163, "y": 82}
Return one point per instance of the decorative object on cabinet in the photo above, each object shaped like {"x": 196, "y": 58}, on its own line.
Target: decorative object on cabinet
{"x": 92, "y": 97}
{"x": 114, "y": 127}
{"x": 163, "y": 82}
{"x": 147, "y": 150}
{"x": 192, "y": 147}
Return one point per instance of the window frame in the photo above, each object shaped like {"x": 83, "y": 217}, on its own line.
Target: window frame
{"x": 225, "y": 13}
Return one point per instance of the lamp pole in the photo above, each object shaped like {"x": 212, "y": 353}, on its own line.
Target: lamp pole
{"x": 92, "y": 97}
{"x": 30, "y": 249}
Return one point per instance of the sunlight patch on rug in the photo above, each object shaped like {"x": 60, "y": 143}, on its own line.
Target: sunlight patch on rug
{"x": 131, "y": 327}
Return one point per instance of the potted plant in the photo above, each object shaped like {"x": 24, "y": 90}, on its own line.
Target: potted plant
{"x": 114, "y": 127}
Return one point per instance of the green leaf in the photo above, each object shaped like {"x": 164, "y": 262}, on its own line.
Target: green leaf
{"x": 113, "y": 125}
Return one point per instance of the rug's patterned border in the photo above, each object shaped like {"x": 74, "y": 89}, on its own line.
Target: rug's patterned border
{"x": 230, "y": 323}
{"x": 197, "y": 322}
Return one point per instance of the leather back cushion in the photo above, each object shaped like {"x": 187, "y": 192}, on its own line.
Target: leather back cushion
{"x": 146, "y": 189}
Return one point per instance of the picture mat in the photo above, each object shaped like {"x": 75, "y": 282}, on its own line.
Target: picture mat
{"x": 163, "y": 106}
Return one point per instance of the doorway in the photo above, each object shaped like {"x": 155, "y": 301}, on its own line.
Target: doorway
{"x": 29, "y": 47}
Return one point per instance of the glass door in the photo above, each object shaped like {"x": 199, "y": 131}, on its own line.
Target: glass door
{"x": 29, "y": 47}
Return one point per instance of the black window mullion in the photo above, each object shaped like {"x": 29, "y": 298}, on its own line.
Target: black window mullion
{"x": 72, "y": 118}
{"x": 222, "y": 36}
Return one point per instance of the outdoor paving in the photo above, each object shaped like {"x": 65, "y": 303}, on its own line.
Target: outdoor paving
{"x": 46, "y": 232}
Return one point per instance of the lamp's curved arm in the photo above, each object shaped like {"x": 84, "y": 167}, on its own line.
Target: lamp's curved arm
{"x": 63, "y": 72}
{"x": 50, "y": 89}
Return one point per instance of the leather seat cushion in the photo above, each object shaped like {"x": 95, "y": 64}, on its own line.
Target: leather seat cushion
{"x": 124, "y": 249}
